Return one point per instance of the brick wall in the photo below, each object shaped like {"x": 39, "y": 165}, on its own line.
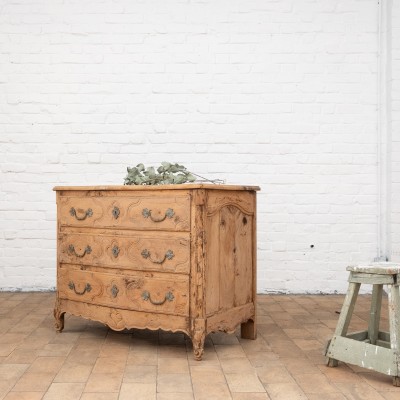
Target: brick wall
{"x": 281, "y": 94}
{"x": 395, "y": 154}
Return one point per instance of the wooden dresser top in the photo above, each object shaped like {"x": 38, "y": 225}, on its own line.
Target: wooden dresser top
{"x": 159, "y": 187}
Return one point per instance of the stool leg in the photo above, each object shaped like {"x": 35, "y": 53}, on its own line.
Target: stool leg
{"x": 347, "y": 309}
{"x": 375, "y": 313}
{"x": 345, "y": 315}
{"x": 394, "y": 322}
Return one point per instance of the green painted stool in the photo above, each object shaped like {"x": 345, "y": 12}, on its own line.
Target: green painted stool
{"x": 372, "y": 349}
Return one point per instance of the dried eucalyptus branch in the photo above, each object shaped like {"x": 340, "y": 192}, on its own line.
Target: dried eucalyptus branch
{"x": 166, "y": 174}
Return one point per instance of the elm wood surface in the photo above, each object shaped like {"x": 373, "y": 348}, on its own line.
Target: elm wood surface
{"x": 174, "y": 257}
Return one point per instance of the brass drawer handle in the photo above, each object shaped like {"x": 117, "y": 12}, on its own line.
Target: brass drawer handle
{"x": 87, "y": 250}
{"x": 146, "y": 296}
{"x": 168, "y": 214}
{"x": 169, "y": 255}
{"x": 87, "y": 288}
{"x": 87, "y": 213}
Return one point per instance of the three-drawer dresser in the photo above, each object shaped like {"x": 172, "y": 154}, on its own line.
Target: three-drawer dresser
{"x": 172, "y": 257}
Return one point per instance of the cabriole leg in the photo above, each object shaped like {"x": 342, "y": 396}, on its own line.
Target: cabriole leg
{"x": 59, "y": 316}
{"x": 198, "y": 337}
{"x": 198, "y": 344}
{"x": 59, "y": 320}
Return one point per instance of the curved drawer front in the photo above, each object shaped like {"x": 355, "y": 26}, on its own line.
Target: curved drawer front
{"x": 141, "y": 292}
{"x": 165, "y": 252}
{"x": 137, "y": 212}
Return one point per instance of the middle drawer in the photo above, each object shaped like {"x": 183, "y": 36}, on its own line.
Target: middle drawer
{"x": 165, "y": 252}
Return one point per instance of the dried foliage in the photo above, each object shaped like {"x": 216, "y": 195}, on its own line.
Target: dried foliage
{"x": 166, "y": 174}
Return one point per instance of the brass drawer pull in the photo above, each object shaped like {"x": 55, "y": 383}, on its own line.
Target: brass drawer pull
{"x": 87, "y": 213}
{"x": 169, "y": 255}
{"x": 87, "y": 250}
{"x": 168, "y": 214}
{"x": 115, "y": 212}
{"x": 87, "y": 288}
{"x": 146, "y": 296}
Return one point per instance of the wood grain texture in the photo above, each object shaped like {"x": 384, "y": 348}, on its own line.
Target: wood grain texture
{"x": 162, "y": 251}
{"x": 168, "y": 212}
{"x": 177, "y": 258}
{"x": 158, "y": 293}
{"x": 132, "y": 188}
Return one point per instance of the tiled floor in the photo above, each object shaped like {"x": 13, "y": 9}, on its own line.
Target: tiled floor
{"x": 88, "y": 361}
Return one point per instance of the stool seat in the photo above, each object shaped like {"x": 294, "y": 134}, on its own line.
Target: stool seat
{"x": 384, "y": 268}
{"x": 372, "y": 348}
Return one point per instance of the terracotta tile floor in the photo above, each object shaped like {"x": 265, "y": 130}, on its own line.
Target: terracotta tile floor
{"x": 88, "y": 361}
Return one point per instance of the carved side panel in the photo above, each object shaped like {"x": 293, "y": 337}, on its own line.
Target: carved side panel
{"x": 229, "y": 271}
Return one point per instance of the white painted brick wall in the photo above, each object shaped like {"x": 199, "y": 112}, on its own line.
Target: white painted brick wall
{"x": 278, "y": 93}
{"x": 395, "y": 155}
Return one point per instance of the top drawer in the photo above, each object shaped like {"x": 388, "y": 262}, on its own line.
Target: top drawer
{"x": 169, "y": 212}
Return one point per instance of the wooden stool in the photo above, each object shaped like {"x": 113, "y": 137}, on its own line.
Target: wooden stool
{"x": 372, "y": 349}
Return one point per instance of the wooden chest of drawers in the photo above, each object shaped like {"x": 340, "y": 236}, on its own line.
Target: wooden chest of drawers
{"x": 174, "y": 257}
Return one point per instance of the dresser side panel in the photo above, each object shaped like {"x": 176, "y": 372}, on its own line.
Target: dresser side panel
{"x": 230, "y": 263}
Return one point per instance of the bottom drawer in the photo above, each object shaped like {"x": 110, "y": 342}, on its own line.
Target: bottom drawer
{"x": 149, "y": 292}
